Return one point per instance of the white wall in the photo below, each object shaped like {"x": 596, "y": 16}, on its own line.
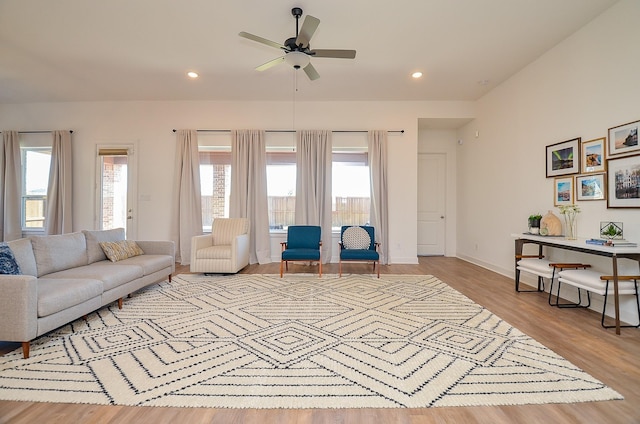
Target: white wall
{"x": 150, "y": 125}
{"x": 585, "y": 85}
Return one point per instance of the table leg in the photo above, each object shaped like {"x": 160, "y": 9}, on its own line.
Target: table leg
{"x": 615, "y": 292}
{"x": 518, "y": 252}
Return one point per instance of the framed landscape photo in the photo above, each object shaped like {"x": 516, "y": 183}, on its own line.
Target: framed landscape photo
{"x": 592, "y": 156}
{"x": 624, "y": 139}
{"x": 563, "y": 158}
{"x": 563, "y": 191}
{"x": 623, "y": 182}
{"x": 590, "y": 187}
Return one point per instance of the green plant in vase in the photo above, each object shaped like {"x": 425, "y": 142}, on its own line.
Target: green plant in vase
{"x": 534, "y": 223}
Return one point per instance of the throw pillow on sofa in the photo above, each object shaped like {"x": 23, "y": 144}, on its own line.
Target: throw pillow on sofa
{"x": 8, "y": 264}
{"x": 119, "y": 250}
{"x": 95, "y": 237}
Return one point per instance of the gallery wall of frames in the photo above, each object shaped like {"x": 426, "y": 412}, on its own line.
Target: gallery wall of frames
{"x": 606, "y": 169}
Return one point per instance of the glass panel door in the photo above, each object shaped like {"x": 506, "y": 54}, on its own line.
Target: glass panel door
{"x": 115, "y": 208}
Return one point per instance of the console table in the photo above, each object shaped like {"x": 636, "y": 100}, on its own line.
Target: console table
{"x": 580, "y": 245}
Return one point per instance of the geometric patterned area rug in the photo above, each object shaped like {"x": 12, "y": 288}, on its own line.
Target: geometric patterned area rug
{"x": 261, "y": 341}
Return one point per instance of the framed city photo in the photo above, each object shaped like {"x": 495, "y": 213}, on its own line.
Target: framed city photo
{"x": 563, "y": 191}
{"x": 563, "y": 158}
{"x": 623, "y": 182}
{"x": 624, "y": 139}
{"x": 590, "y": 187}
{"x": 592, "y": 156}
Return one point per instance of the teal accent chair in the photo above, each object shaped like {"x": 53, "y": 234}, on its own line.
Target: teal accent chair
{"x": 368, "y": 254}
{"x": 303, "y": 243}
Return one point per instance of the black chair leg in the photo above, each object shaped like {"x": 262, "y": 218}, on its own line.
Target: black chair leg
{"x": 604, "y": 308}
{"x": 539, "y": 289}
{"x": 570, "y": 304}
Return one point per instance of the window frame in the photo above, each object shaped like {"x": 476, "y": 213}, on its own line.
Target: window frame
{"x": 24, "y": 197}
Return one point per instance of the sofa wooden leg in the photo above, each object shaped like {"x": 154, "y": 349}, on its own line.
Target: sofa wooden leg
{"x": 281, "y": 264}
{"x": 25, "y": 349}
{"x": 120, "y": 303}
{"x": 169, "y": 277}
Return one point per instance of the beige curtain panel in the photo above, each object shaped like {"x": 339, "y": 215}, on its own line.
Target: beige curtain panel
{"x": 10, "y": 187}
{"x": 313, "y": 183}
{"x": 379, "y": 214}
{"x": 249, "y": 190}
{"x": 59, "y": 215}
{"x": 188, "y": 203}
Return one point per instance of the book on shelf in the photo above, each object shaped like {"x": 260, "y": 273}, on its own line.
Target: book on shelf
{"x": 613, "y": 243}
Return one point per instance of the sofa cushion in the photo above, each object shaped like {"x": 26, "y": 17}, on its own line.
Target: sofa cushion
{"x": 23, "y": 252}
{"x": 94, "y": 238}
{"x": 55, "y": 295}
{"x": 119, "y": 250}
{"x": 59, "y": 252}
{"x": 150, "y": 263}
{"x": 111, "y": 275}
{"x": 214, "y": 252}
{"x": 8, "y": 264}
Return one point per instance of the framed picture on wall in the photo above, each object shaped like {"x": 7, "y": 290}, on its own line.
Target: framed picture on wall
{"x": 623, "y": 182}
{"x": 624, "y": 139}
{"x": 563, "y": 191}
{"x": 590, "y": 187}
{"x": 563, "y": 158}
{"x": 592, "y": 156}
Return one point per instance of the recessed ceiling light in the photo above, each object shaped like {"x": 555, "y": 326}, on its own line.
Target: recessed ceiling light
{"x": 192, "y": 74}
{"x": 417, "y": 74}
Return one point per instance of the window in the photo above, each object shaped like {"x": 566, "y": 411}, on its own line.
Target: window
{"x": 281, "y": 189}
{"x": 351, "y": 196}
{"x": 35, "y": 179}
{"x": 350, "y": 191}
{"x": 215, "y": 186}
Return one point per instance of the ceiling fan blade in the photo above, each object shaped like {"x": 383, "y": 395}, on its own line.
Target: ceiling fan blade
{"x": 338, "y": 54}
{"x": 270, "y": 64}
{"x": 309, "y": 27}
{"x": 261, "y": 40}
{"x": 311, "y": 72}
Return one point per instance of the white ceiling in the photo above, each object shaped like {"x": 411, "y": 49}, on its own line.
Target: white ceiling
{"x": 98, "y": 50}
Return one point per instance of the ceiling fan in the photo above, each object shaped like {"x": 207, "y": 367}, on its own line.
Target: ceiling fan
{"x": 297, "y": 51}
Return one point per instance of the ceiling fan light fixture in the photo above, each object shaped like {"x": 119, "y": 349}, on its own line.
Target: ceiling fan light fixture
{"x": 297, "y": 59}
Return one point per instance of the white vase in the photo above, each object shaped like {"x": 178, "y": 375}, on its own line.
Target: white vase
{"x": 571, "y": 225}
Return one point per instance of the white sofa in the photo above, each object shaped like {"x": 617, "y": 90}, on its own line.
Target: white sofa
{"x": 225, "y": 250}
{"x": 65, "y": 277}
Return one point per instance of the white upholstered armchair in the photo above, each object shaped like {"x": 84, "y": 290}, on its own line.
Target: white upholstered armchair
{"x": 225, "y": 250}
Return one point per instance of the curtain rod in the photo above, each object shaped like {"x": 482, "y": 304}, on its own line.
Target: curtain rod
{"x": 37, "y": 132}
{"x": 292, "y": 131}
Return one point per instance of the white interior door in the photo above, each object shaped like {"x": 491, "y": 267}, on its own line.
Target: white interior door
{"x": 116, "y": 189}
{"x": 431, "y": 203}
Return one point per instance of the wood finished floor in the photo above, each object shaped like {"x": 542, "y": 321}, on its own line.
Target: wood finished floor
{"x": 574, "y": 334}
